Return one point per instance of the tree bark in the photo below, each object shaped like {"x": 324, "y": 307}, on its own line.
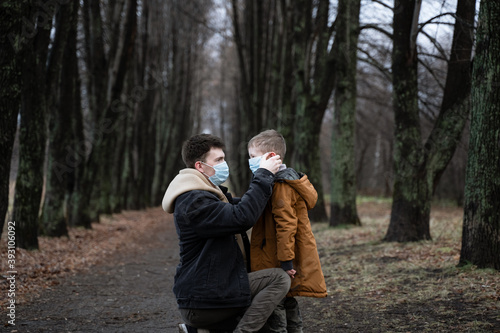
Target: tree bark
{"x": 11, "y": 41}
{"x": 343, "y": 200}
{"x": 447, "y": 131}
{"x": 83, "y": 208}
{"x": 481, "y": 230}
{"x": 62, "y": 89}
{"x": 107, "y": 77}
{"x": 418, "y": 167}
{"x": 256, "y": 42}
{"x": 411, "y": 201}
{"x": 313, "y": 87}
{"x": 33, "y": 132}
{"x": 78, "y": 152}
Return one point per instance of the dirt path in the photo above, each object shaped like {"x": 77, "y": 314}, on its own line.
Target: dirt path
{"x": 130, "y": 292}
{"x": 374, "y": 286}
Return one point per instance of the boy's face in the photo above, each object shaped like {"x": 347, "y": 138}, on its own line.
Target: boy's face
{"x": 255, "y": 152}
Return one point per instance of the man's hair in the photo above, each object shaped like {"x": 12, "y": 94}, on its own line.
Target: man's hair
{"x": 267, "y": 141}
{"x": 197, "y": 147}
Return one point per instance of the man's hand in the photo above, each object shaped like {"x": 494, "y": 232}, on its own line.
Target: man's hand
{"x": 291, "y": 273}
{"x": 271, "y": 162}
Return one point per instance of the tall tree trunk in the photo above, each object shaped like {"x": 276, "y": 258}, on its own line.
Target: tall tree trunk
{"x": 411, "y": 201}
{"x": 311, "y": 93}
{"x": 481, "y": 230}
{"x": 11, "y": 41}
{"x": 261, "y": 38}
{"x": 82, "y": 211}
{"x": 96, "y": 195}
{"x": 77, "y": 153}
{"x": 61, "y": 86}
{"x": 454, "y": 112}
{"x": 343, "y": 201}
{"x": 118, "y": 108}
{"x": 418, "y": 167}
{"x": 33, "y": 133}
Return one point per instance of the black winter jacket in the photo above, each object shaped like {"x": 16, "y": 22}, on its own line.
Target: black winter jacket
{"x": 211, "y": 272}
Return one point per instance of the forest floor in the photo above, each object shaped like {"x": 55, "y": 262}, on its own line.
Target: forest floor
{"x": 117, "y": 277}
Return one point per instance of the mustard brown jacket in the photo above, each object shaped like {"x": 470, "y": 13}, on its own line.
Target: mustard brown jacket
{"x": 282, "y": 237}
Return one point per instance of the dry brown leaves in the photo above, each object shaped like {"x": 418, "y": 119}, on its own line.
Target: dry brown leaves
{"x": 356, "y": 262}
{"x": 57, "y": 257}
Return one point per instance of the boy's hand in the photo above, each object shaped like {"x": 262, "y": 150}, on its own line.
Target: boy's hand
{"x": 270, "y": 163}
{"x": 291, "y": 273}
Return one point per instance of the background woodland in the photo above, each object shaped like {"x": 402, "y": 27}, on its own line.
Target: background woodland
{"x": 374, "y": 97}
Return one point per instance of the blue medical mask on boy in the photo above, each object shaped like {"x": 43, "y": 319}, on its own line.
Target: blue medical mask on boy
{"x": 221, "y": 173}
{"x": 254, "y": 163}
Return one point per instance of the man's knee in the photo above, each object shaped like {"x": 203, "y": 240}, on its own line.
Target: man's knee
{"x": 283, "y": 279}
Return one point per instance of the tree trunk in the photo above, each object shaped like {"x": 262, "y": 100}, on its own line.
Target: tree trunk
{"x": 11, "y": 41}
{"x": 62, "y": 88}
{"x": 309, "y": 106}
{"x": 418, "y": 167}
{"x": 411, "y": 201}
{"x": 33, "y": 134}
{"x": 343, "y": 201}
{"x": 255, "y": 41}
{"x": 447, "y": 131}
{"x": 82, "y": 211}
{"x": 481, "y": 230}
{"x": 78, "y": 152}
{"x": 96, "y": 196}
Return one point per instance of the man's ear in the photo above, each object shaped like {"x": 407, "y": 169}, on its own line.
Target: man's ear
{"x": 198, "y": 166}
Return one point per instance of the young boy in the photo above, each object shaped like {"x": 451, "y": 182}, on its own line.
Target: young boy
{"x": 282, "y": 237}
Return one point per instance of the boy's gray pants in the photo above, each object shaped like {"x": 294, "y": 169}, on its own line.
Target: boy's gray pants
{"x": 286, "y": 318}
{"x": 268, "y": 288}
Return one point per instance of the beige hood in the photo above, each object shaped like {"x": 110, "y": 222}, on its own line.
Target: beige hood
{"x": 188, "y": 180}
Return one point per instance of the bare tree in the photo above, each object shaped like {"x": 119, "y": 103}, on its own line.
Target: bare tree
{"x": 107, "y": 107}
{"x": 33, "y": 130}
{"x": 287, "y": 73}
{"x": 11, "y": 41}
{"x": 260, "y": 32}
{"x": 343, "y": 200}
{"x": 418, "y": 166}
{"x": 60, "y": 95}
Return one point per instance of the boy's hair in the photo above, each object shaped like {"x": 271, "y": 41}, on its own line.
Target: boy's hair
{"x": 267, "y": 141}
{"x": 197, "y": 147}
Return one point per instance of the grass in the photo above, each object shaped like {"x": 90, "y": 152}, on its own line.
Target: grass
{"x": 376, "y": 286}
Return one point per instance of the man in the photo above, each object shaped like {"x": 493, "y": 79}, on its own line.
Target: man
{"x": 212, "y": 286}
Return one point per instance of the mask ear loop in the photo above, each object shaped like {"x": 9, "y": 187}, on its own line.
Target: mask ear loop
{"x": 206, "y": 165}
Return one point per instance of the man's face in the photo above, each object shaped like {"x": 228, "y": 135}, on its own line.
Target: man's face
{"x": 213, "y": 157}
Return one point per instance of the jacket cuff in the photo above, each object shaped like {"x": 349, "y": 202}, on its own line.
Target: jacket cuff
{"x": 287, "y": 265}
{"x": 264, "y": 172}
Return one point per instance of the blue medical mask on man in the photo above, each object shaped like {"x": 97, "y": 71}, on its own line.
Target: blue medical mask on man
{"x": 221, "y": 173}
{"x": 254, "y": 163}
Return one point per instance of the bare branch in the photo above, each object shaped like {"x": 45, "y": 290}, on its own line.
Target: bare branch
{"x": 383, "y": 4}
{"x": 431, "y": 20}
{"x": 432, "y": 73}
{"x": 431, "y": 55}
{"x": 374, "y": 63}
{"x": 436, "y": 44}
{"x": 377, "y": 28}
